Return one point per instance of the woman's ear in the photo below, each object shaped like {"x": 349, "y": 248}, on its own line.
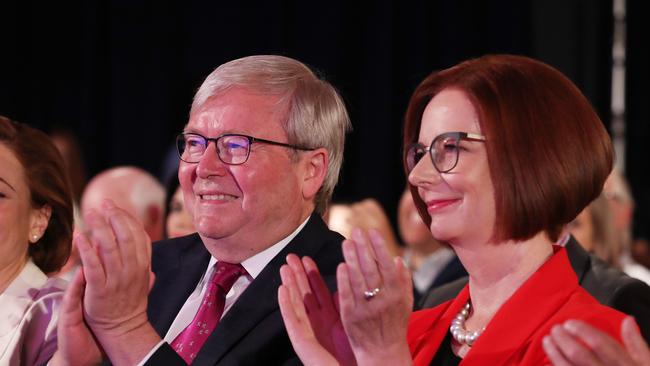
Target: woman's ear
{"x": 39, "y": 219}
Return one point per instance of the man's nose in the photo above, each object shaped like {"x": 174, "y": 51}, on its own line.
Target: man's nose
{"x": 210, "y": 163}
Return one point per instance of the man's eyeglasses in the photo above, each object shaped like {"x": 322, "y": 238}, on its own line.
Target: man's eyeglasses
{"x": 232, "y": 149}
{"x": 444, "y": 150}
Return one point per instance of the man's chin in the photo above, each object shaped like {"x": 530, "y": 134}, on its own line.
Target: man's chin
{"x": 211, "y": 234}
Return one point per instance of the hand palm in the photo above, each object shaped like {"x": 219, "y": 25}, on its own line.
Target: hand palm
{"x": 328, "y": 328}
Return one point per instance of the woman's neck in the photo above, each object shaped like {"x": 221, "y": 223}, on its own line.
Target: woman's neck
{"x": 497, "y": 270}
{"x": 9, "y": 272}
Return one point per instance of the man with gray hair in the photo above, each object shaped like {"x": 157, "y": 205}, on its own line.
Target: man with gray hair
{"x": 260, "y": 157}
{"x": 131, "y": 189}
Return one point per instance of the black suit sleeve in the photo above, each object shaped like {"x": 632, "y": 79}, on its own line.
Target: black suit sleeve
{"x": 165, "y": 356}
{"x": 634, "y": 299}
{"x": 615, "y": 289}
{"x": 438, "y": 295}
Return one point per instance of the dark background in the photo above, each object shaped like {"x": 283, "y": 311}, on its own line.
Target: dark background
{"x": 121, "y": 74}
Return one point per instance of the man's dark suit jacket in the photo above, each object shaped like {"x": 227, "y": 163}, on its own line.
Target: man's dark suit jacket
{"x": 452, "y": 271}
{"x": 252, "y": 331}
{"x": 608, "y": 285}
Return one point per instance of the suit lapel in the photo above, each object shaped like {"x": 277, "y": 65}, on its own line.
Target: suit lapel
{"x": 183, "y": 267}
{"x": 260, "y": 297}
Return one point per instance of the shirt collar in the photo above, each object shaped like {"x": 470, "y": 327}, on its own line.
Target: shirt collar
{"x": 255, "y": 264}
{"x": 430, "y": 267}
{"x": 563, "y": 240}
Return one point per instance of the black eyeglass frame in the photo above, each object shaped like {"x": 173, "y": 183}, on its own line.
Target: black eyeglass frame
{"x": 459, "y": 136}
{"x": 180, "y": 141}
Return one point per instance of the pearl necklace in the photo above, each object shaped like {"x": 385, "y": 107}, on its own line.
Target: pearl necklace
{"x": 458, "y": 331}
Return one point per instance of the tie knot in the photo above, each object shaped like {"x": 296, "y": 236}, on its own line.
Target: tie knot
{"x": 225, "y": 274}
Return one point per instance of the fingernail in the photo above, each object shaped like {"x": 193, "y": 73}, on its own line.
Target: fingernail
{"x": 571, "y": 326}
{"x": 630, "y": 323}
{"x": 556, "y": 328}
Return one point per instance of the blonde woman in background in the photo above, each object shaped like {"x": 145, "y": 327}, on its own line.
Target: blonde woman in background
{"x": 594, "y": 229}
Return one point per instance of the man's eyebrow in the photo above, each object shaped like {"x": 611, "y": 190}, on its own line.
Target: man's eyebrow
{"x": 7, "y": 183}
{"x": 230, "y": 131}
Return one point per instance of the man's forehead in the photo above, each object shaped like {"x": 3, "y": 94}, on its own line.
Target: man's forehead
{"x": 244, "y": 97}
{"x": 238, "y": 112}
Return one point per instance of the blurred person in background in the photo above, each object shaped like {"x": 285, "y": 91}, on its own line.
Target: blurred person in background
{"x": 595, "y": 230}
{"x": 36, "y": 226}
{"x": 131, "y": 189}
{"x": 621, "y": 205}
{"x": 178, "y": 221}
{"x": 431, "y": 263}
{"x": 365, "y": 214}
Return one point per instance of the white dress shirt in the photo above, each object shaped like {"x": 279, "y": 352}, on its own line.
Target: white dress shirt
{"x": 430, "y": 268}
{"x": 253, "y": 266}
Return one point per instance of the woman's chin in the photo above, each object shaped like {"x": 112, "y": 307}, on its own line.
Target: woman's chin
{"x": 444, "y": 230}
{"x": 442, "y": 233}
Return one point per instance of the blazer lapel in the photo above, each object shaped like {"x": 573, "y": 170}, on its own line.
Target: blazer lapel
{"x": 182, "y": 271}
{"x": 427, "y": 344}
{"x": 546, "y": 291}
{"x": 260, "y": 297}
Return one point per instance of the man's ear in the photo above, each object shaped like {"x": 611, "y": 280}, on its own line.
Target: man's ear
{"x": 39, "y": 219}
{"x": 315, "y": 167}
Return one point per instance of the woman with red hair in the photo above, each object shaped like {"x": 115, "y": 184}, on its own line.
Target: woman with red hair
{"x": 501, "y": 153}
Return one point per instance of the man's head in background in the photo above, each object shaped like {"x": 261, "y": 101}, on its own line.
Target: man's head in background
{"x": 131, "y": 189}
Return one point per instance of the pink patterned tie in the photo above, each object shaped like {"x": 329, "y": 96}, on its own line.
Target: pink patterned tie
{"x": 189, "y": 342}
